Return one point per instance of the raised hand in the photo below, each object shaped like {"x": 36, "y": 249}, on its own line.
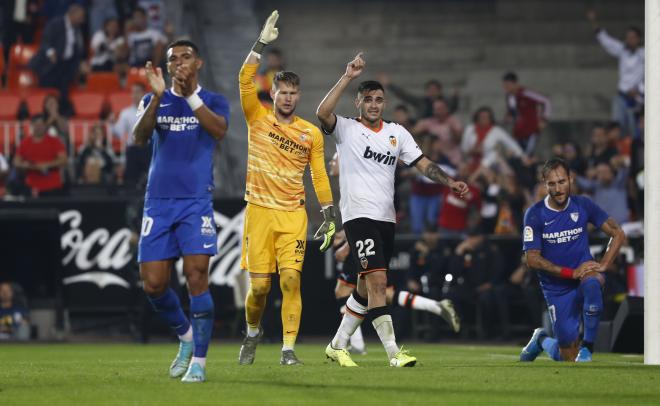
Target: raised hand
{"x": 183, "y": 77}
{"x": 155, "y": 79}
{"x": 269, "y": 32}
{"x": 355, "y": 67}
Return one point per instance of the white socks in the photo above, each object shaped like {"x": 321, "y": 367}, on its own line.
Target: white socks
{"x": 199, "y": 360}
{"x": 252, "y": 331}
{"x": 385, "y": 330}
{"x": 187, "y": 336}
{"x": 357, "y": 340}
{"x": 413, "y": 301}
{"x": 352, "y": 319}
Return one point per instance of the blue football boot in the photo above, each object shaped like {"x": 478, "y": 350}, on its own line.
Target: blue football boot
{"x": 533, "y": 348}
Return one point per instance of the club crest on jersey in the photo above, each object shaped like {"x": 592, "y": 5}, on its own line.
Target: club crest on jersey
{"x": 393, "y": 140}
{"x": 364, "y": 262}
{"x": 575, "y": 216}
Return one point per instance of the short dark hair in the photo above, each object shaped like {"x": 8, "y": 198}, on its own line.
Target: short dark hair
{"x": 636, "y": 30}
{"x": 370, "y": 86}
{"x": 37, "y": 117}
{"x": 612, "y": 125}
{"x": 274, "y": 51}
{"x": 183, "y": 43}
{"x": 433, "y": 82}
{"x": 140, "y": 10}
{"x": 510, "y": 77}
{"x": 483, "y": 109}
{"x": 286, "y": 76}
{"x": 554, "y": 163}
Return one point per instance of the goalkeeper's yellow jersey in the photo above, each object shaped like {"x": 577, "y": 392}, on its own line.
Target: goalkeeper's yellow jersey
{"x": 278, "y": 154}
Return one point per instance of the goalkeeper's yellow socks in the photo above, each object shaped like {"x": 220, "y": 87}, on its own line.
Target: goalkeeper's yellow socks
{"x": 255, "y": 303}
{"x": 291, "y": 307}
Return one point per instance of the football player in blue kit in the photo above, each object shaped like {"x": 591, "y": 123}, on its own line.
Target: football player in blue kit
{"x": 556, "y": 243}
{"x": 183, "y": 124}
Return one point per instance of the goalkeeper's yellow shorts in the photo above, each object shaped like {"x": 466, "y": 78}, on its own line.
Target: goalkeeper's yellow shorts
{"x": 273, "y": 239}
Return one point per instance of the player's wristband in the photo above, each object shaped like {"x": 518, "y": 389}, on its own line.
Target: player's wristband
{"x": 258, "y": 47}
{"x": 194, "y": 101}
{"x": 566, "y": 273}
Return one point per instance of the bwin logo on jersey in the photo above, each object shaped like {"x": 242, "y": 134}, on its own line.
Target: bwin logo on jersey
{"x": 207, "y": 226}
{"x": 387, "y": 159}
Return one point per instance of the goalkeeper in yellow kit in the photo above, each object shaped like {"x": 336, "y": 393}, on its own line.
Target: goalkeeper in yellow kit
{"x": 280, "y": 145}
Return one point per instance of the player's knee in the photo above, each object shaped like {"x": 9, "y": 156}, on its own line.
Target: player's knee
{"x": 290, "y": 282}
{"x": 197, "y": 277}
{"x": 259, "y": 287}
{"x": 153, "y": 284}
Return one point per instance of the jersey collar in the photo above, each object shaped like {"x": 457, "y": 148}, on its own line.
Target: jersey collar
{"x": 178, "y": 95}
{"x": 380, "y": 127}
{"x": 547, "y": 204}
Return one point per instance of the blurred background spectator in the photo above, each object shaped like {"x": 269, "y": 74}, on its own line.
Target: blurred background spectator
{"x": 14, "y": 316}
{"x": 144, "y": 43}
{"x": 95, "y": 163}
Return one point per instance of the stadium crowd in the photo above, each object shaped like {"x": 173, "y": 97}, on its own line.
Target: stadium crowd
{"x": 72, "y": 77}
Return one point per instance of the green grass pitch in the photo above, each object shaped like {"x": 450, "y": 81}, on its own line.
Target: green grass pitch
{"x": 133, "y": 374}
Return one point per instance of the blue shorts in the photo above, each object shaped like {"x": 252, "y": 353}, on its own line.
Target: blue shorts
{"x": 565, "y": 310}
{"x": 172, "y": 228}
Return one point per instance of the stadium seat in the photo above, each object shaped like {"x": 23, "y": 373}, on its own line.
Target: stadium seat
{"x": 78, "y": 132}
{"x": 103, "y": 82}
{"x": 9, "y": 136}
{"x": 34, "y": 99}
{"x": 19, "y": 79}
{"x": 20, "y": 55}
{"x": 136, "y": 75}
{"x": 119, "y": 101}
{"x": 87, "y": 105}
{"x": 2, "y": 59}
{"x": 9, "y": 105}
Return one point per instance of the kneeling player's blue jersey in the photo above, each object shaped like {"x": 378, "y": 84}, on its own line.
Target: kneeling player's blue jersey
{"x": 562, "y": 236}
{"x": 182, "y": 160}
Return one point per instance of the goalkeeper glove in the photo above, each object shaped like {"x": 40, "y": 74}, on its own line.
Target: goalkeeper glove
{"x": 268, "y": 33}
{"x": 327, "y": 229}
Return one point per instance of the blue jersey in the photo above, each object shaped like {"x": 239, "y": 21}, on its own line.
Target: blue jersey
{"x": 562, "y": 236}
{"x": 182, "y": 159}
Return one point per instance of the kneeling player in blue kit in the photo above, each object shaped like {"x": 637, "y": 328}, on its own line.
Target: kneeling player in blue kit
{"x": 556, "y": 243}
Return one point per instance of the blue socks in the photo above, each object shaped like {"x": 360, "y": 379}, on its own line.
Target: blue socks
{"x": 201, "y": 317}
{"x": 592, "y": 308}
{"x": 551, "y": 346}
{"x": 168, "y": 307}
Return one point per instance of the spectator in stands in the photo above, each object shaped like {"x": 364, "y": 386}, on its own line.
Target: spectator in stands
{"x": 602, "y": 151}
{"x": 609, "y": 188}
{"x": 572, "y": 154}
{"x": 483, "y": 141}
{"x": 100, "y": 11}
{"x": 137, "y": 157}
{"x": 14, "y": 318}
{"x": 4, "y": 173}
{"x": 273, "y": 63}
{"x": 446, "y": 127}
{"x": 42, "y": 157}
{"x": 402, "y": 117}
{"x": 630, "y": 54}
{"x": 454, "y": 219}
{"x": 155, "y": 13}
{"x": 428, "y": 260}
{"x": 527, "y": 110}
{"x": 423, "y": 105}
{"x": 95, "y": 163}
{"x": 144, "y": 43}
{"x": 108, "y": 48}
{"x": 425, "y": 195}
{"x": 60, "y": 55}
{"x": 56, "y": 124}
{"x": 18, "y": 23}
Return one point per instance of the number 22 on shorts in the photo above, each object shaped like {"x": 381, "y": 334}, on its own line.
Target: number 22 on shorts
{"x": 365, "y": 248}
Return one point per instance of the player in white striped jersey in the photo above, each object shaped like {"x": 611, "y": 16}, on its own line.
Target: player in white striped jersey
{"x": 368, "y": 149}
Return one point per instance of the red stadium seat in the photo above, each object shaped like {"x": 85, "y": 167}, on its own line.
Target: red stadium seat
{"x": 9, "y": 105}
{"x": 34, "y": 99}
{"x": 103, "y": 82}
{"x": 119, "y": 101}
{"x": 20, "y": 55}
{"x": 78, "y": 131}
{"x": 19, "y": 79}
{"x": 87, "y": 105}
{"x": 9, "y": 136}
{"x": 136, "y": 75}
